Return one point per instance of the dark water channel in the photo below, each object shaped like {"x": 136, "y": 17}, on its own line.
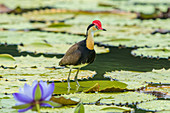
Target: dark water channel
{"x": 121, "y": 59}
{"x": 116, "y": 59}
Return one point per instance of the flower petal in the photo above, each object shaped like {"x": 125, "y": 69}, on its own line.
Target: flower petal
{"x": 48, "y": 98}
{"x": 34, "y": 83}
{"x": 49, "y": 91}
{"x": 44, "y": 88}
{"x": 23, "y": 110}
{"x": 21, "y": 90}
{"x": 19, "y": 103}
{"x": 22, "y": 98}
{"x": 28, "y": 91}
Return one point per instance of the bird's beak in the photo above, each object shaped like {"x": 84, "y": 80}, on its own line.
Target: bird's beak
{"x": 104, "y": 29}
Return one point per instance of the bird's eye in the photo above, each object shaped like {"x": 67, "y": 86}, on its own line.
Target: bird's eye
{"x": 96, "y": 27}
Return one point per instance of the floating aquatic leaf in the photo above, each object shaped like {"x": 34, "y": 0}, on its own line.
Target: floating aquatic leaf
{"x": 54, "y": 49}
{"x": 48, "y": 15}
{"x": 127, "y": 97}
{"x": 155, "y": 105}
{"x": 65, "y": 101}
{"x": 6, "y": 57}
{"x": 15, "y": 78}
{"x": 94, "y": 88}
{"x": 136, "y": 80}
{"x": 113, "y": 98}
{"x": 8, "y": 19}
{"x": 61, "y": 88}
{"x": 161, "y": 52}
{"x": 89, "y": 109}
{"x": 22, "y": 61}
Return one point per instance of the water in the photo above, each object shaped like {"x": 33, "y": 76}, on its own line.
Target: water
{"x": 116, "y": 59}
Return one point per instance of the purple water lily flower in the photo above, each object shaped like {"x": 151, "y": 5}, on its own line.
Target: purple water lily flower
{"x": 31, "y": 96}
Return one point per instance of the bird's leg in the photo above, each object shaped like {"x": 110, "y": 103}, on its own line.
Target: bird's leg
{"x": 68, "y": 79}
{"x": 76, "y": 77}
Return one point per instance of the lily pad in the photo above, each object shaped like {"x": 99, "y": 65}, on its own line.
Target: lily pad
{"x": 127, "y": 98}
{"x": 113, "y": 98}
{"x": 115, "y": 86}
{"x": 154, "y": 52}
{"x": 22, "y": 26}
{"x": 6, "y": 57}
{"x": 136, "y": 80}
{"x": 48, "y": 15}
{"x": 22, "y": 61}
{"x": 54, "y": 49}
{"x": 65, "y": 101}
{"x": 11, "y": 37}
{"x": 7, "y": 19}
{"x": 42, "y": 42}
{"x": 31, "y": 74}
{"x": 94, "y": 88}
{"x": 155, "y": 105}
{"x": 89, "y": 109}
{"x": 15, "y": 78}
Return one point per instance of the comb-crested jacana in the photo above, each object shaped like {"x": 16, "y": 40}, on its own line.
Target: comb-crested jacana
{"x": 81, "y": 53}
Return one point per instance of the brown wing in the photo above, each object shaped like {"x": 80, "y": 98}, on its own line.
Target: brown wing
{"x": 72, "y": 56}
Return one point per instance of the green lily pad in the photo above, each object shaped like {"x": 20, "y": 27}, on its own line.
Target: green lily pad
{"x": 54, "y": 49}
{"x": 15, "y": 78}
{"x": 155, "y": 105}
{"x": 7, "y": 19}
{"x": 42, "y": 42}
{"x": 59, "y": 25}
{"x": 22, "y": 26}
{"x": 65, "y": 101}
{"x": 89, "y": 109}
{"x": 61, "y": 88}
{"x": 48, "y": 15}
{"x": 26, "y": 38}
{"x": 6, "y": 57}
{"x": 136, "y": 80}
{"x": 154, "y": 52}
{"x": 22, "y": 61}
{"x": 127, "y": 97}
{"x": 113, "y": 98}
{"x": 28, "y": 4}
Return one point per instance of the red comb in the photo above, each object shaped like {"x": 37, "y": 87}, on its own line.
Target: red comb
{"x": 98, "y": 24}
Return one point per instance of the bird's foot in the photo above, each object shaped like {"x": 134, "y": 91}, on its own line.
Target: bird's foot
{"x": 78, "y": 85}
{"x": 69, "y": 87}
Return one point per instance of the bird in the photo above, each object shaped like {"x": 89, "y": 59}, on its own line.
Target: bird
{"x": 82, "y": 53}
